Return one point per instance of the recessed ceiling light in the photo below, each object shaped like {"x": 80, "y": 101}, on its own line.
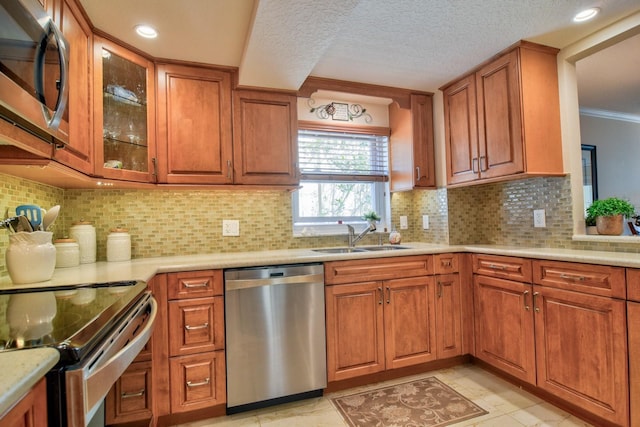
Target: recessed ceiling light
{"x": 586, "y": 14}
{"x": 146, "y": 31}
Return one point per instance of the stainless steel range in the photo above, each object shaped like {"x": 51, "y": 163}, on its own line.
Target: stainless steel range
{"x": 98, "y": 329}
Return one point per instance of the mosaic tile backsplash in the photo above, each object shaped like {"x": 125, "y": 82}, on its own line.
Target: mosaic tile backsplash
{"x": 165, "y": 222}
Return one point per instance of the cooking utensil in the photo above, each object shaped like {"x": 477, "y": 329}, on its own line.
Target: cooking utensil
{"x": 50, "y": 217}
{"x": 33, "y": 214}
{"x": 10, "y": 223}
{"x": 24, "y": 224}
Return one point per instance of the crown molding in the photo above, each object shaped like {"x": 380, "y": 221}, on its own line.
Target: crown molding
{"x": 611, "y": 115}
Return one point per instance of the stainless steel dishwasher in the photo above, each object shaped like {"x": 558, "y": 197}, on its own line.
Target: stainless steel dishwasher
{"x": 275, "y": 335}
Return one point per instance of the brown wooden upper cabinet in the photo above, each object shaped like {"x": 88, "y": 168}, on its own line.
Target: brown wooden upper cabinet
{"x": 124, "y": 113}
{"x": 412, "y": 163}
{"x": 78, "y": 153}
{"x": 265, "y": 138}
{"x": 503, "y": 119}
{"x": 194, "y": 125}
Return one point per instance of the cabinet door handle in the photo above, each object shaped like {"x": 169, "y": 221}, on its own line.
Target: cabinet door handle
{"x": 229, "y": 176}
{"x": 418, "y": 174}
{"x": 194, "y": 328}
{"x": 204, "y": 284}
{"x": 126, "y": 395}
{"x": 439, "y": 293}
{"x": 201, "y": 383}
{"x": 474, "y": 165}
{"x": 571, "y": 277}
{"x": 154, "y": 163}
{"x": 486, "y": 167}
{"x": 381, "y": 296}
{"x": 524, "y": 297}
{"x": 535, "y": 308}
{"x": 388, "y": 295}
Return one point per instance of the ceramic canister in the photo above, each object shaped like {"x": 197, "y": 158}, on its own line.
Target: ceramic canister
{"x": 67, "y": 253}
{"x": 30, "y": 257}
{"x": 118, "y": 245}
{"x": 85, "y": 234}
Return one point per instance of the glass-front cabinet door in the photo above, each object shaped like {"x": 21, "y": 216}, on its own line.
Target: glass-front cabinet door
{"x": 124, "y": 114}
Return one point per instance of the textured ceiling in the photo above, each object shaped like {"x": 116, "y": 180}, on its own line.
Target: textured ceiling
{"x": 416, "y": 44}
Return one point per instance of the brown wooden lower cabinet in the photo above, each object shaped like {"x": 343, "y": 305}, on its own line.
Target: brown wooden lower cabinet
{"x": 197, "y": 381}
{"x": 633, "y": 320}
{"x": 131, "y": 396}
{"x": 448, "y": 316}
{"x": 375, "y": 326}
{"x": 570, "y": 344}
{"x": 30, "y": 411}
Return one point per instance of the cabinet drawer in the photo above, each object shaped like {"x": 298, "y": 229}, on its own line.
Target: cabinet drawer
{"x": 197, "y": 381}
{"x": 633, "y": 284}
{"x": 445, "y": 263}
{"x": 593, "y": 279}
{"x": 196, "y": 325}
{"x": 194, "y": 284}
{"x": 339, "y": 272}
{"x": 130, "y": 397}
{"x": 518, "y": 269}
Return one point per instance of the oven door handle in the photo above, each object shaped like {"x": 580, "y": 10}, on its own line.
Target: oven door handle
{"x": 87, "y": 387}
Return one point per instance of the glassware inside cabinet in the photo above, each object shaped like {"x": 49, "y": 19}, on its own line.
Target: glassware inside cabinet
{"x": 124, "y": 86}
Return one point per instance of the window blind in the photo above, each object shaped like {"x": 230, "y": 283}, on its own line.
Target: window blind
{"x": 341, "y": 155}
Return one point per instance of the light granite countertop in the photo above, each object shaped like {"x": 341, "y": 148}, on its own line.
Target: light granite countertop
{"x": 21, "y": 370}
{"x": 145, "y": 268}
{"x": 24, "y": 368}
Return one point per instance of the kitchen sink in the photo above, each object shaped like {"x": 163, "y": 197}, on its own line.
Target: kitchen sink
{"x": 339, "y": 250}
{"x": 347, "y": 250}
{"x": 383, "y": 248}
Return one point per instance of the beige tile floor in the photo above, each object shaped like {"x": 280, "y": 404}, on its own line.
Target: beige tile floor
{"x": 507, "y": 405}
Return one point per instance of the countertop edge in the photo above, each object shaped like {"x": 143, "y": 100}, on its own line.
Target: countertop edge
{"x": 20, "y": 374}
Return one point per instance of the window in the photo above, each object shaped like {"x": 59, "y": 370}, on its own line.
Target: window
{"x": 344, "y": 174}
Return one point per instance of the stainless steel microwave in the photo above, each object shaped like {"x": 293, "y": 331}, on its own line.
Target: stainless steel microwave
{"x": 33, "y": 71}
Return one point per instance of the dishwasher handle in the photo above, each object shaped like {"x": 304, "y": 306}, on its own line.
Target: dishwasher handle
{"x": 237, "y": 284}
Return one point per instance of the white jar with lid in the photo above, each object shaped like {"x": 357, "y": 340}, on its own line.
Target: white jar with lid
{"x": 85, "y": 234}
{"x": 118, "y": 245}
{"x": 67, "y": 253}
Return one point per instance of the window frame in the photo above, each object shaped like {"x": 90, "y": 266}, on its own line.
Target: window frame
{"x": 334, "y": 225}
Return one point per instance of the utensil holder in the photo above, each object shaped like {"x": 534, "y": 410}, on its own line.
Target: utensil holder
{"x": 30, "y": 257}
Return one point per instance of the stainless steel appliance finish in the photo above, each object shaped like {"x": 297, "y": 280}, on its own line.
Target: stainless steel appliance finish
{"x": 275, "y": 335}
{"x": 34, "y": 63}
{"x": 98, "y": 329}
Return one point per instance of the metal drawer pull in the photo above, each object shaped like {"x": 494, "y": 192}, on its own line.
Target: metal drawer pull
{"x": 524, "y": 297}
{"x": 193, "y": 328}
{"x": 536, "y": 309}
{"x": 497, "y": 267}
{"x": 446, "y": 263}
{"x": 570, "y": 277}
{"x": 381, "y": 296}
{"x": 201, "y": 383}
{"x": 126, "y": 395}
{"x": 196, "y": 285}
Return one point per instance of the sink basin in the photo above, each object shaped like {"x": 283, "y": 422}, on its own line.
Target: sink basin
{"x": 339, "y": 250}
{"x": 383, "y": 248}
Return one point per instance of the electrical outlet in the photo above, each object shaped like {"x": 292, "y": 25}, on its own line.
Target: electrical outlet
{"x": 230, "y": 227}
{"x": 404, "y": 224}
{"x": 425, "y": 222}
{"x": 539, "y": 219}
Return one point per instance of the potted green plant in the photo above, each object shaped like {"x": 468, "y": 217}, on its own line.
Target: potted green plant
{"x": 590, "y": 223}
{"x": 609, "y": 214}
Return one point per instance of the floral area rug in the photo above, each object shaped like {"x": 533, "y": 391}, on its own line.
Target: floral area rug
{"x": 424, "y": 403}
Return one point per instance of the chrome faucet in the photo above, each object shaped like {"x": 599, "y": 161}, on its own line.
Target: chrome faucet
{"x": 353, "y": 239}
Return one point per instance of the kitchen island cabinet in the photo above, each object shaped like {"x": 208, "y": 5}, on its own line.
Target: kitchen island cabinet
{"x": 265, "y": 138}
{"x": 194, "y": 125}
{"x": 503, "y": 119}
{"x": 31, "y": 410}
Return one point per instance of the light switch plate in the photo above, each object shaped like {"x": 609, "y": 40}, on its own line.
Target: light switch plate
{"x": 230, "y": 227}
{"x": 539, "y": 219}
{"x": 404, "y": 224}
{"x": 425, "y": 222}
